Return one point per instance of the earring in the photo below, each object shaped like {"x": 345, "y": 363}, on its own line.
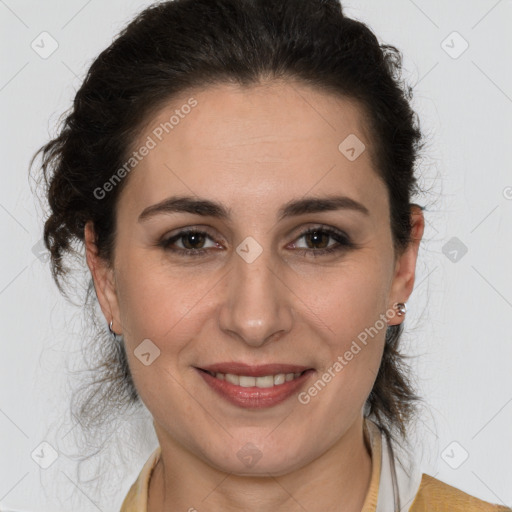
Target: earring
{"x": 114, "y": 334}
{"x": 401, "y": 308}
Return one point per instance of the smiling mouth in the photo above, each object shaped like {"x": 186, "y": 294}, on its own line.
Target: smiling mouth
{"x": 248, "y": 381}
{"x": 255, "y": 387}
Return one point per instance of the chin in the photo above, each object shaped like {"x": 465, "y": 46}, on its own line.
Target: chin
{"x": 253, "y": 459}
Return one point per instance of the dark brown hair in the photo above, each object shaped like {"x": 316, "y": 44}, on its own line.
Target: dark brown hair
{"x": 175, "y": 46}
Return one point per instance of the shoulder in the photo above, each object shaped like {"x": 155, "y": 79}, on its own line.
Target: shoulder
{"x": 436, "y": 496}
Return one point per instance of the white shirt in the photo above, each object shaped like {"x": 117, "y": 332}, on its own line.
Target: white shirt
{"x": 408, "y": 478}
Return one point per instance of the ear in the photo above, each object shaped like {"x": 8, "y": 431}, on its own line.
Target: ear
{"x": 405, "y": 268}
{"x": 103, "y": 278}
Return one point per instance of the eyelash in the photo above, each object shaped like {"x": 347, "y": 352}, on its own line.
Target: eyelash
{"x": 343, "y": 243}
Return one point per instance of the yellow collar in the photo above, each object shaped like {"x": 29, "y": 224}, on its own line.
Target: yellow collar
{"x": 373, "y": 438}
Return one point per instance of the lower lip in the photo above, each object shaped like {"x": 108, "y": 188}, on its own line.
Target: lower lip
{"x": 254, "y": 397}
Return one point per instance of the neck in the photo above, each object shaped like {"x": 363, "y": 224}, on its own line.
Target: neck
{"x": 337, "y": 480}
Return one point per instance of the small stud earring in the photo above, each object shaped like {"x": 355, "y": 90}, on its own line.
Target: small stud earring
{"x": 401, "y": 308}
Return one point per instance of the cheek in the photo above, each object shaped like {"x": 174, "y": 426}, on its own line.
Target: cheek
{"x": 152, "y": 297}
{"x": 354, "y": 312}
{"x": 353, "y": 299}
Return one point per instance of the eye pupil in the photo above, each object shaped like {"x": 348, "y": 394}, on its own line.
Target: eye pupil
{"x": 191, "y": 239}
{"x": 317, "y": 237}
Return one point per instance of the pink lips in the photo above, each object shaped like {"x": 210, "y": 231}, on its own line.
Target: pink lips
{"x": 254, "y": 397}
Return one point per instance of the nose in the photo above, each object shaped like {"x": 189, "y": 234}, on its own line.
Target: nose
{"x": 256, "y": 305}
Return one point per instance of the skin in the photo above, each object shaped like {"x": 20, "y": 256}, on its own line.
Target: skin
{"x": 253, "y": 150}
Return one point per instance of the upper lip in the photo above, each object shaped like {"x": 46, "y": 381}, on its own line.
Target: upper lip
{"x": 253, "y": 371}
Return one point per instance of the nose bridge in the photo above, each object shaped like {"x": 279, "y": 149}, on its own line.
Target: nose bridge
{"x": 255, "y": 306}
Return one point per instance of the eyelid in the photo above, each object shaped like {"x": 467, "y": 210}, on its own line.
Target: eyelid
{"x": 202, "y": 229}
{"x": 320, "y": 227}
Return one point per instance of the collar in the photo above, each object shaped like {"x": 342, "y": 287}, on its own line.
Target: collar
{"x": 396, "y": 464}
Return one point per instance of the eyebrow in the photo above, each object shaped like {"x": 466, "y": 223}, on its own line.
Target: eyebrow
{"x": 207, "y": 208}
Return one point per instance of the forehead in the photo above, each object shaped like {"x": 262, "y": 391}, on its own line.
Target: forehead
{"x": 267, "y": 143}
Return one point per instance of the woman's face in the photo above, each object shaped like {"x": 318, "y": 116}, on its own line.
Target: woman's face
{"x": 248, "y": 285}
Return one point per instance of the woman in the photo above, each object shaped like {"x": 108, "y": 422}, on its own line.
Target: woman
{"x": 240, "y": 174}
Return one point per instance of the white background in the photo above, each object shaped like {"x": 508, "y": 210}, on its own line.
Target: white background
{"x": 458, "y": 321}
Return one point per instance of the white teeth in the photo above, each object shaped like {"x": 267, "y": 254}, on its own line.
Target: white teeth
{"x": 247, "y": 382}
{"x": 266, "y": 381}
{"x": 279, "y": 379}
{"x": 234, "y": 379}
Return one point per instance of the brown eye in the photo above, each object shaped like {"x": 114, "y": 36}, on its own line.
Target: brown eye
{"x": 189, "y": 243}
{"x": 317, "y": 242}
{"x": 193, "y": 239}
{"x": 318, "y": 238}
